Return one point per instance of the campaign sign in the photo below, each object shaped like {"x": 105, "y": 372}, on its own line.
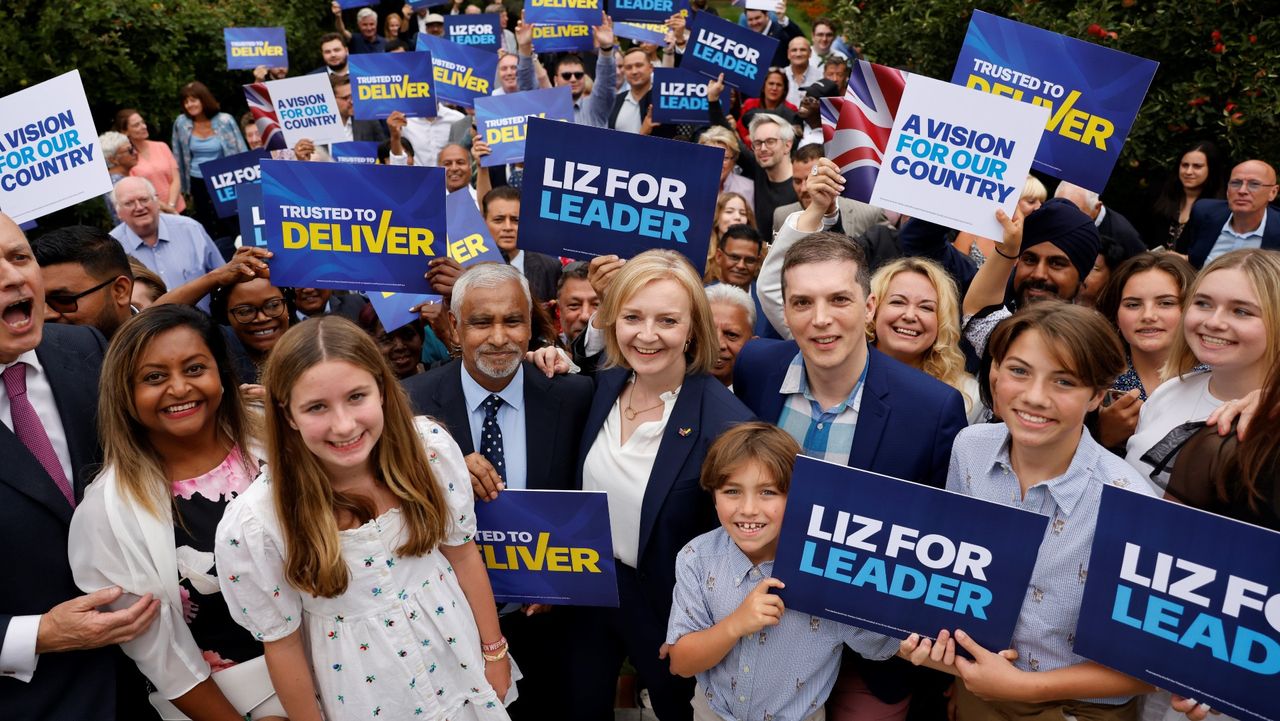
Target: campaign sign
{"x": 354, "y": 227}
{"x": 719, "y": 46}
{"x": 856, "y": 127}
{"x": 223, "y": 176}
{"x": 249, "y": 208}
{"x": 655, "y": 33}
{"x": 469, "y": 239}
{"x": 462, "y": 73}
{"x": 680, "y": 96}
{"x": 549, "y": 12}
{"x": 955, "y": 155}
{"x": 394, "y": 309}
{"x": 304, "y": 107}
{"x": 900, "y": 557}
{"x": 247, "y": 48}
{"x": 592, "y": 191}
{"x": 483, "y": 32}
{"x": 49, "y": 155}
{"x": 646, "y": 11}
{"x": 568, "y": 38}
{"x": 382, "y": 83}
{"x": 1185, "y": 600}
{"x": 767, "y": 5}
{"x": 548, "y": 547}
{"x": 358, "y": 152}
{"x": 1092, "y": 92}
{"x": 353, "y": 4}
{"x": 501, "y": 120}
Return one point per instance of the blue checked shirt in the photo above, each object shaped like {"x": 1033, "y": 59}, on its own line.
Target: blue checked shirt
{"x": 980, "y": 467}
{"x": 784, "y": 672}
{"x": 825, "y": 434}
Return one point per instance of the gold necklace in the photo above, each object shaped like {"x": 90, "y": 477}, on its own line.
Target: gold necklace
{"x": 629, "y": 413}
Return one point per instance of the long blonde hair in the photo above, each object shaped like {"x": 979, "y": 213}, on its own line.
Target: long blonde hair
{"x": 943, "y": 360}
{"x": 305, "y": 500}
{"x": 650, "y": 266}
{"x": 126, "y": 444}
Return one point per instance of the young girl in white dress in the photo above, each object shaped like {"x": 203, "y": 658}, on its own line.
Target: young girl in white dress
{"x": 351, "y": 557}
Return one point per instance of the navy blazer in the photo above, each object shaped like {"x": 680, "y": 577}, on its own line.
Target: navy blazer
{"x": 1205, "y": 225}
{"x": 555, "y": 413}
{"x": 34, "y": 521}
{"x": 906, "y": 423}
{"x": 675, "y": 509}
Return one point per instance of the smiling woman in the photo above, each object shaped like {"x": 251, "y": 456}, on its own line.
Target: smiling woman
{"x": 256, "y": 311}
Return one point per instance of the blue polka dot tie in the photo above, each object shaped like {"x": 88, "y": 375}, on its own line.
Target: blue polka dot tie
{"x": 491, "y": 435}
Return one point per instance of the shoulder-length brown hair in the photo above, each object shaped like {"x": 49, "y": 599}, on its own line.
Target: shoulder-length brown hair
{"x": 305, "y": 501}
{"x": 200, "y": 91}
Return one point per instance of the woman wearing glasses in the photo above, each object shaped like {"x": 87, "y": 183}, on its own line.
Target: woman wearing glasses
{"x": 121, "y": 158}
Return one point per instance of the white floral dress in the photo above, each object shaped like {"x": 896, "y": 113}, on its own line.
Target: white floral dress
{"x": 401, "y": 643}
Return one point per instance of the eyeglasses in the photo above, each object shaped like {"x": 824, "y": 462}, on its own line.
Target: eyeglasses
{"x": 767, "y": 142}
{"x": 71, "y": 303}
{"x": 136, "y": 202}
{"x": 132, "y": 149}
{"x": 748, "y": 260}
{"x": 273, "y": 308}
{"x": 572, "y": 76}
{"x": 1253, "y": 185}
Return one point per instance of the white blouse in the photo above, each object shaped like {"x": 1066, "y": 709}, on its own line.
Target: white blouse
{"x": 622, "y": 471}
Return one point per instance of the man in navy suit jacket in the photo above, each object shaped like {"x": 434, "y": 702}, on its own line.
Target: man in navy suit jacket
{"x": 1244, "y": 220}
{"x": 53, "y": 666}
{"x": 541, "y": 421}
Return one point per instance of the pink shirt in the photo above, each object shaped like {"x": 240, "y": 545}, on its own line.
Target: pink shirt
{"x": 159, "y": 167}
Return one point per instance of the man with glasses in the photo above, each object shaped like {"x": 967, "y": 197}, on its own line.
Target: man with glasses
{"x": 738, "y": 255}
{"x": 824, "y": 38}
{"x": 174, "y": 247}
{"x": 87, "y": 279}
{"x": 569, "y": 70}
{"x": 1244, "y": 220}
{"x": 770, "y": 165}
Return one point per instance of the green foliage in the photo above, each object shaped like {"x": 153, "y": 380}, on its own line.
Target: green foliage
{"x": 1217, "y": 76}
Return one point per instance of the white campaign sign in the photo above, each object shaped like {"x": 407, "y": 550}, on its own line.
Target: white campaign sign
{"x": 306, "y": 108}
{"x": 955, "y": 155}
{"x": 49, "y": 154}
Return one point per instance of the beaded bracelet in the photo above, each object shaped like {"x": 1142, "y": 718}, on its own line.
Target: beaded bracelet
{"x": 496, "y": 646}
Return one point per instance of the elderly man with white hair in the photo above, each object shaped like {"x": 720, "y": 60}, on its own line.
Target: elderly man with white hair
{"x": 1108, "y": 222}
{"x": 367, "y": 40}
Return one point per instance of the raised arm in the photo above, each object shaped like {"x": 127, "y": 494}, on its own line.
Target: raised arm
{"x": 987, "y": 287}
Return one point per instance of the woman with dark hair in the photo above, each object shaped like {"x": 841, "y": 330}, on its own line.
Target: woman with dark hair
{"x": 402, "y": 347}
{"x": 200, "y": 134}
{"x": 1201, "y": 173}
{"x": 773, "y": 99}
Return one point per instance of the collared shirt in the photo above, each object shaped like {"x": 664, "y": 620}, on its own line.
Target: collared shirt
{"x": 825, "y": 434}
{"x": 1229, "y": 239}
{"x": 511, "y": 421}
{"x": 182, "y": 253}
{"x": 783, "y": 672}
{"x": 981, "y": 468}
{"x": 517, "y": 261}
{"x": 428, "y": 136}
{"x": 629, "y": 120}
{"x": 360, "y": 45}
{"x": 795, "y": 87}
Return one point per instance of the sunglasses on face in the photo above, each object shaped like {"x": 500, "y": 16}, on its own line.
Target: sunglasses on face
{"x": 71, "y": 303}
{"x": 572, "y": 76}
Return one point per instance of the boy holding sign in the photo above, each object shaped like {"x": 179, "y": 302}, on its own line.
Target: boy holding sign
{"x": 1051, "y": 365}
{"x": 752, "y": 657}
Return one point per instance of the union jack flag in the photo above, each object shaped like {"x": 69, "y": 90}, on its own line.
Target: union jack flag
{"x": 264, "y": 116}
{"x": 856, "y": 127}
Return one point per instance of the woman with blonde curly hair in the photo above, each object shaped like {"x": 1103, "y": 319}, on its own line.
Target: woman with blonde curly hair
{"x": 916, "y": 320}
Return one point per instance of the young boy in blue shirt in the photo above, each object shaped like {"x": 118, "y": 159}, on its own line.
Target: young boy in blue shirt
{"x": 753, "y": 658}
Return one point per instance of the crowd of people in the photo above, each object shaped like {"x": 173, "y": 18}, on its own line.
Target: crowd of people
{"x": 229, "y": 499}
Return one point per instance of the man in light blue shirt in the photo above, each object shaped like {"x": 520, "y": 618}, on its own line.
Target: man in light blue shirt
{"x": 174, "y": 247}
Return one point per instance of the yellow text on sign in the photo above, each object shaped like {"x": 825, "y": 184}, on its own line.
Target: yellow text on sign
{"x": 1067, "y": 120}
{"x": 553, "y": 558}
{"x": 385, "y": 239}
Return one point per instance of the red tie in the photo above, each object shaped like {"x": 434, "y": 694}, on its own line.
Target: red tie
{"x": 27, "y": 425}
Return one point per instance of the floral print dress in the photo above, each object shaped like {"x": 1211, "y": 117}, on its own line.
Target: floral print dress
{"x": 401, "y": 642}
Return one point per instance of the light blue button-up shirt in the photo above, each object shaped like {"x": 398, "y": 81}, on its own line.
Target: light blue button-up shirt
{"x": 784, "y": 672}
{"x": 1229, "y": 239}
{"x": 980, "y": 467}
{"x": 182, "y": 253}
{"x": 511, "y": 422}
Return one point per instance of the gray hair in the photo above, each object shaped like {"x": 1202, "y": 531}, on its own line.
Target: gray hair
{"x": 112, "y": 143}
{"x": 150, "y": 189}
{"x": 366, "y": 13}
{"x": 1090, "y": 198}
{"x": 786, "y": 133}
{"x": 725, "y": 293}
{"x": 488, "y": 275}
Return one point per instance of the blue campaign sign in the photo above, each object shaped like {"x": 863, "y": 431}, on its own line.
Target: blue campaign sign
{"x": 247, "y": 48}
{"x": 354, "y": 227}
{"x": 646, "y": 11}
{"x": 223, "y": 176}
{"x": 900, "y": 558}
{"x": 249, "y": 207}
{"x": 719, "y": 46}
{"x": 592, "y": 191}
{"x": 382, "y": 83}
{"x": 680, "y": 96}
{"x": 1093, "y": 93}
{"x": 563, "y": 37}
{"x": 548, "y": 547}
{"x": 1185, "y": 600}
{"x": 501, "y": 120}
{"x": 483, "y": 32}
{"x": 394, "y": 309}
{"x": 655, "y": 33}
{"x": 359, "y": 152}
{"x": 462, "y": 73}
{"x": 548, "y": 12}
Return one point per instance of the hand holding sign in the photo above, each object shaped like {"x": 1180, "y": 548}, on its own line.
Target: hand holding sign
{"x": 759, "y": 610}
{"x": 244, "y": 266}
{"x": 990, "y": 676}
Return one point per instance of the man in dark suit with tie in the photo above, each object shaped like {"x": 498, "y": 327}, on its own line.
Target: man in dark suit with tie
{"x": 517, "y": 429}
{"x": 52, "y": 662}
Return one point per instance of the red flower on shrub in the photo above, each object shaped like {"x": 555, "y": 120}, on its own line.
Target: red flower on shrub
{"x": 1096, "y": 30}
{"x": 1215, "y": 36}
{"x": 1219, "y": 48}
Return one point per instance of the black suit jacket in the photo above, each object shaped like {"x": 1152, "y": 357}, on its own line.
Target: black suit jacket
{"x": 543, "y": 273}
{"x": 1118, "y": 228}
{"x": 646, "y": 100}
{"x": 368, "y": 130}
{"x": 1205, "y": 225}
{"x": 34, "y": 521}
{"x": 556, "y": 411}
{"x": 784, "y": 36}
